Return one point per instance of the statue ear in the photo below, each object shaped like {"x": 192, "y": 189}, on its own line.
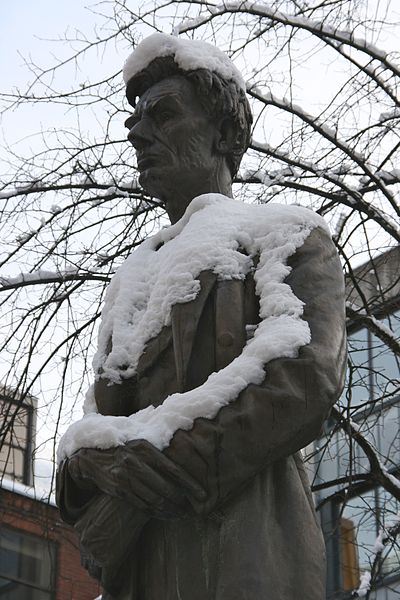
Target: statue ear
{"x": 226, "y": 136}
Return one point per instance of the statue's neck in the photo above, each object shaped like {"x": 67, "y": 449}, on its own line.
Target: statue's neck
{"x": 178, "y": 198}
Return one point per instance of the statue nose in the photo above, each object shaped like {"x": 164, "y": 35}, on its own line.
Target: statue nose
{"x": 140, "y": 135}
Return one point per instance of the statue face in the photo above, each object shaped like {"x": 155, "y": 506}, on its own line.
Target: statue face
{"x": 173, "y": 138}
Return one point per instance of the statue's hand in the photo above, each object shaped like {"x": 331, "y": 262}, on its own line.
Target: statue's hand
{"x": 139, "y": 474}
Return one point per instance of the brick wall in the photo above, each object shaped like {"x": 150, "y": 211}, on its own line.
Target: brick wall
{"x": 41, "y": 519}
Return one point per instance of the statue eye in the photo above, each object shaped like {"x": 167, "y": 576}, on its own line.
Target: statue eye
{"x": 164, "y": 116}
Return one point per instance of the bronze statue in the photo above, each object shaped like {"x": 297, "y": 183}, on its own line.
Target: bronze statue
{"x": 218, "y": 506}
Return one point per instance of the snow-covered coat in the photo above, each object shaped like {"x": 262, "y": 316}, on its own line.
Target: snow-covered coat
{"x": 256, "y": 535}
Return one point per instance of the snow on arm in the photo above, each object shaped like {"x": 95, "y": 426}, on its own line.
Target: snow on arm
{"x": 210, "y": 236}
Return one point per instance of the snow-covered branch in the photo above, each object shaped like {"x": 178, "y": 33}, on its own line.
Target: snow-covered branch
{"x": 319, "y": 28}
{"x": 329, "y": 134}
{"x": 386, "y": 536}
{"x": 44, "y": 277}
{"x": 377, "y": 327}
{"x": 378, "y": 473}
{"x": 106, "y": 189}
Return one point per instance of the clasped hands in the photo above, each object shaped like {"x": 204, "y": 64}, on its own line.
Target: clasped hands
{"x": 140, "y": 475}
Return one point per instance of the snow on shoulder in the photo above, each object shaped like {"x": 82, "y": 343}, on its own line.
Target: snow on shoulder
{"x": 218, "y": 234}
{"x": 187, "y": 54}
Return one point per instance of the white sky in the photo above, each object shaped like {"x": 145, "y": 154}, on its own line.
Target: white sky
{"x": 24, "y": 25}
{"x": 31, "y": 30}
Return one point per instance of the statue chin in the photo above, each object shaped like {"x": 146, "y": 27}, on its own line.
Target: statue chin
{"x": 154, "y": 181}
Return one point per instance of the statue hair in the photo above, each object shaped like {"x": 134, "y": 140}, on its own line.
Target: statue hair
{"x": 219, "y": 97}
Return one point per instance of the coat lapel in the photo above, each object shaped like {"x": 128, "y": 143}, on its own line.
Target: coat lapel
{"x": 185, "y": 318}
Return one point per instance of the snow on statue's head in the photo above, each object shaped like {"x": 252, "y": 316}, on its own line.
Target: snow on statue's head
{"x": 218, "y": 84}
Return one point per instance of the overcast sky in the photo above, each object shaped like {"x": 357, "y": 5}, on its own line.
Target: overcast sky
{"x": 24, "y": 22}
{"x": 29, "y": 30}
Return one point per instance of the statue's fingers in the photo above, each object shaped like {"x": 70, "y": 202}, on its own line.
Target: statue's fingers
{"x": 145, "y": 499}
{"x": 129, "y": 478}
{"x": 153, "y": 484}
{"x": 87, "y": 467}
{"x": 94, "y": 462}
{"x": 167, "y": 468}
{"x": 189, "y": 483}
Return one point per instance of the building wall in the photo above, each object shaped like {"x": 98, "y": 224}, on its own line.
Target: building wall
{"x": 38, "y": 518}
{"x": 378, "y": 280}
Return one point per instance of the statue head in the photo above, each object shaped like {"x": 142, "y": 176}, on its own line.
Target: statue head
{"x": 191, "y": 124}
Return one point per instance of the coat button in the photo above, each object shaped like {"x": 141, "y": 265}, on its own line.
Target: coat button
{"x": 225, "y": 339}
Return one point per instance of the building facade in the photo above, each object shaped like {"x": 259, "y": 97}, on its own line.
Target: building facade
{"x": 39, "y": 554}
{"x": 359, "y": 517}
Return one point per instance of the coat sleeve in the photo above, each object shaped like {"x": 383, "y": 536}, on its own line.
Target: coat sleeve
{"x": 282, "y": 415}
{"x": 102, "y": 522}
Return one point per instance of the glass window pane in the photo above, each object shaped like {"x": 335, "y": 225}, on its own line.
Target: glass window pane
{"x": 27, "y": 559}
{"x": 325, "y": 460}
{"x": 346, "y": 464}
{"x": 389, "y": 436}
{"x": 12, "y": 462}
{"x": 11, "y": 590}
{"x": 393, "y": 321}
{"x": 20, "y": 431}
{"x": 360, "y": 514}
{"x": 386, "y": 368}
{"x": 389, "y": 516}
{"x": 7, "y": 460}
{"x": 370, "y": 429}
{"x": 19, "y": 417}
{"x": 358, "y": 372}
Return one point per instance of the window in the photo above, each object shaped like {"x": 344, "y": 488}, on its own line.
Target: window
{"x": 16, "y": 451}
{"x": 374, "y": 371}
{"x": 27, "y": 566}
